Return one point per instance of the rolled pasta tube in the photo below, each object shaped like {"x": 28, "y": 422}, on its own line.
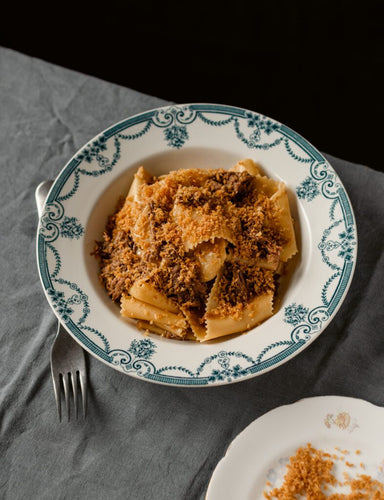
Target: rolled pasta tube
{"x": 248, "y": 165}
{"x": 147, "y": 293}
{"x": 285, "y": 222}
{"x": 174, "y": 331}
{"x": 140, "y": 178}
{"x": 141, "y": 229}
{"x": 131, "y": 210}
{"x": 272, "y": 265}
{"x": 266, "y": 185}
{"x": 197, "y": 328}
{"x": 257, "y": 310}
{"x": 212, "y": 300}
{"x": 133, "y": 308}
{"x": 211, "y": 256}
{"x": 197, "y": 227}
{"x": 151, "y": 327}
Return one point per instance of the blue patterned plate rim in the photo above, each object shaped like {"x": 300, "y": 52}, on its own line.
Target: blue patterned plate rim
{"x": 189, "y": 135}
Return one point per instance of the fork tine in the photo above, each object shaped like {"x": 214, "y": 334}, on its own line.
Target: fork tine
{"x": 73, "y": 379}
{"x": 83, "y": 388}
{"x": 56, "y": 388}
{"x": 68, "y": 361}
{"x": 65, "y": 379}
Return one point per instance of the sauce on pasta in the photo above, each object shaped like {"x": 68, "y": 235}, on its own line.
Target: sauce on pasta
{"x": 195, "y": 254}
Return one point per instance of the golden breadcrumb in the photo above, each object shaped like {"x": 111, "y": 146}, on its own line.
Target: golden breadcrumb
{"x": 310, "y": 474}
{"x": 166, "y": 230}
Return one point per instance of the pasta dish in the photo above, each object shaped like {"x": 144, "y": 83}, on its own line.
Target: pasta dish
{"x": 195, "y": 254}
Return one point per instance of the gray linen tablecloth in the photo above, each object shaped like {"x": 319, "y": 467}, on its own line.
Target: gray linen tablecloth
{"x": 140, "y": 440}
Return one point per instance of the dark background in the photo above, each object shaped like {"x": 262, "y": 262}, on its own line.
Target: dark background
{"x": 315, "y": 66}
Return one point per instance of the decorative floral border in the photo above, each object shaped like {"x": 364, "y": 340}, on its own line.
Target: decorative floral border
{"x": 100, "y": 156}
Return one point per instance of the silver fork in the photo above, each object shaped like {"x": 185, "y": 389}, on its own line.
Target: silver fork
{"x": 67, "y": 356}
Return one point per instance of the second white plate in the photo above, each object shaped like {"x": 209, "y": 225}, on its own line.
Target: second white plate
{"x": 335, "y": 424}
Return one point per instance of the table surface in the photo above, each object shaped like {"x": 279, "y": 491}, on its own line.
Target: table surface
{"x": 140, "y": 440}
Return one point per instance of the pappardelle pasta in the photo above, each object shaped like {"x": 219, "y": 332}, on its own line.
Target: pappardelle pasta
{"x": 195, "y": 254}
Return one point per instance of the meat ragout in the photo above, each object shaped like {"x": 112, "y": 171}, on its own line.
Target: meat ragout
{"x": 156, "y": 238}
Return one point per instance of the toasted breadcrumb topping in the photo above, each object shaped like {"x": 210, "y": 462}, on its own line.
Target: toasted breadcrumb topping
{"x": 310, "y": 474}
{"x": 155, "y": 237}
{"x": 238, "y": 285}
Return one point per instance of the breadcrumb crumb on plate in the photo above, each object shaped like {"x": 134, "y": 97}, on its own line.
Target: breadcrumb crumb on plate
{"x": 326, "y": 447}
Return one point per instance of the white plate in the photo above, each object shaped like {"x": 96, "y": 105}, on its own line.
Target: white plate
{"x": 206, "y": 136}
{"x": 332, "y": 423}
